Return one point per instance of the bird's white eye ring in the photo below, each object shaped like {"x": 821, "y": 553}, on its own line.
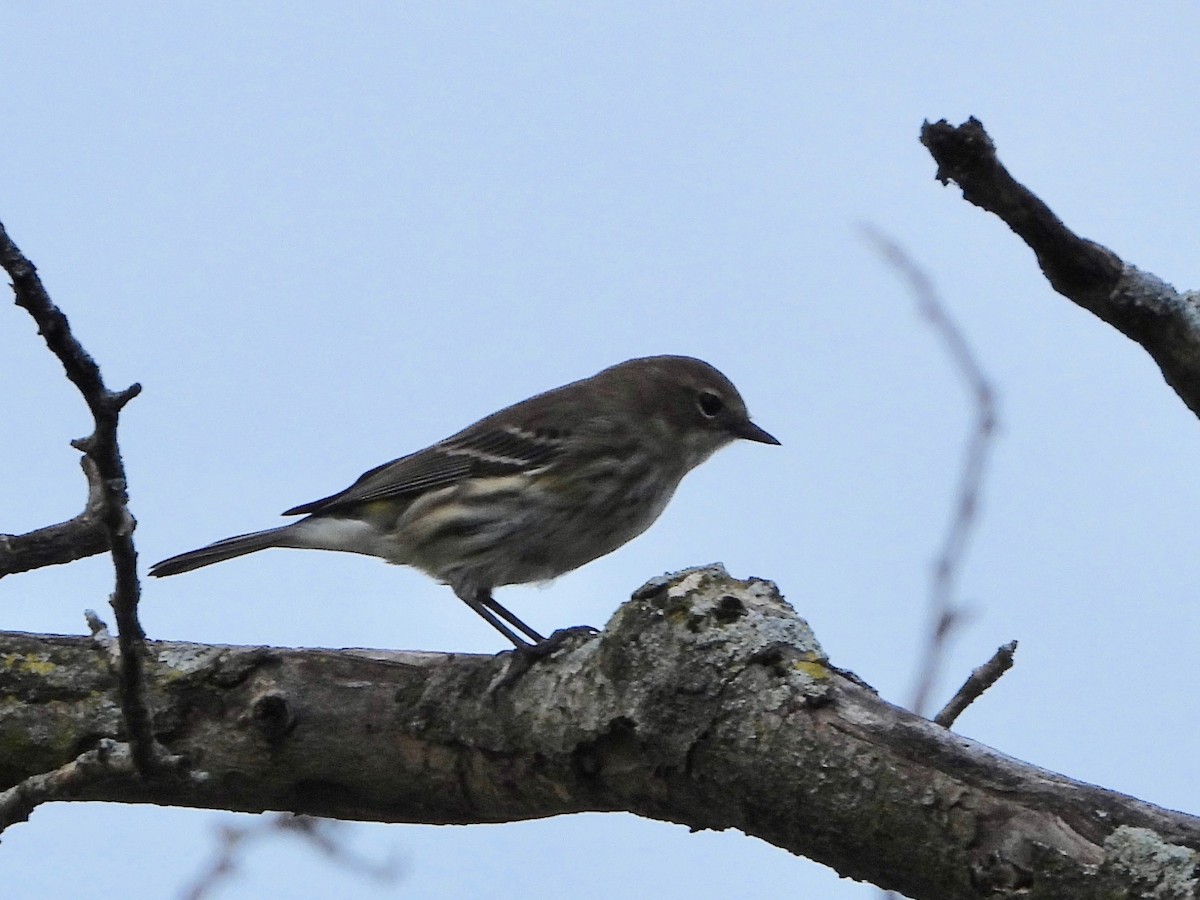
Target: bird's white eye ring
{"x": 710, "y": 404}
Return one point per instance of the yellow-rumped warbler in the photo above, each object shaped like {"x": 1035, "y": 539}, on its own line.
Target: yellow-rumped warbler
{"x": 528, "y": 493}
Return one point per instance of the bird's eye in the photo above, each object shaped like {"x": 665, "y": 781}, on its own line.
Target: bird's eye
{"x": 710, "y": 403}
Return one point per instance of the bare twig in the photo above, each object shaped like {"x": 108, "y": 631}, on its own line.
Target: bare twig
{"x": 109, "y": 759}
{"x": 1075, "y": 266}
{"x": 977, "y": 682}
{"x": 945, "y": 614}
{"x": 111, "y": 505}
{"x": 77, "y": 538}
{"x": 104, "y": 641}
{"x": 319, "y": 834}
{"x": 1166, "y": 322}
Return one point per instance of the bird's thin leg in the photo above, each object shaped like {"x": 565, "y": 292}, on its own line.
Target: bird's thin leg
{"x": 486, "y": 598}
{"x": 486, "y": 614}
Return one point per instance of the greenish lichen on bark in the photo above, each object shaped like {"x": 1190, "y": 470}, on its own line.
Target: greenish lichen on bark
{"x": 706, "y": 701}
{"x": 1158, "y": 869}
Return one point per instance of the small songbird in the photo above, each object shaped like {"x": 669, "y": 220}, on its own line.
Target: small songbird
{"x": 528, "y": 493}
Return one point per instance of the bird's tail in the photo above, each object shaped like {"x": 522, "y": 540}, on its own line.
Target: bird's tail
{"x": 223, "y": 550}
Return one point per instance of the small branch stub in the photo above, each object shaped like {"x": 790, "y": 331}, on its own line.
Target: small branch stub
{"x": 977, "y": 682}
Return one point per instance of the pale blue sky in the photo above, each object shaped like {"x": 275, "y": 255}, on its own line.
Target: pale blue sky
{"x": 322, "y": 238}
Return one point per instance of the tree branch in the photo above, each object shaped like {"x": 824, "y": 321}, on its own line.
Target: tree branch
{"x": 707, "y": 701}
{"x": 318, "y": 834}
{"x": 945, "y": 613}
{"x": 109, "y": 760}
{"x": 78, "y": 538}
{"x": 977, "y": 682}
{"x": 1163, "y": 320}
{"x": 110, "y": 502}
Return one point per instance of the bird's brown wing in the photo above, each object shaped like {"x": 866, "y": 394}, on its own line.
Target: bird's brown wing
{"x": 484, "y": 449}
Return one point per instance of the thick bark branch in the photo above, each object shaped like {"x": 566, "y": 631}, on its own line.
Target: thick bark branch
{"x": 1166, "y": 322}
{"x": 707, "y": 701}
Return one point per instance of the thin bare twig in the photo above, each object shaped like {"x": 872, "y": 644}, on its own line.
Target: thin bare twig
{"x": 111, "y": 498}
{"x": 944, "y": 611}
{"x": 110, "y": 759}
{"x": 977, "y": 682}
{"x": 104, "y": 641}
{"x": 320, "y": 834}
{"x": 77, "y": 538}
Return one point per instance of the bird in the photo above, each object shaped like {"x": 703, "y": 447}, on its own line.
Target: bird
{"x": 528, "y": 493}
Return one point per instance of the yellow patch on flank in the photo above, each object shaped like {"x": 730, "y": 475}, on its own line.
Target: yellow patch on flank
{"x": 379, "y": 508}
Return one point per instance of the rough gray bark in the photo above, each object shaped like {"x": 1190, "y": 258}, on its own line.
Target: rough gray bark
{"x": 707, "y": 701}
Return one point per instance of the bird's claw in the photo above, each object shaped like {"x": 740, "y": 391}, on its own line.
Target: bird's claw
{"x": 555, "y": 642}
{"x": 523, "y": 658}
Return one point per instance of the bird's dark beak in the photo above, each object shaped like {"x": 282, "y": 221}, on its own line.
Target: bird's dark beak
{"x": 752, "y": 432}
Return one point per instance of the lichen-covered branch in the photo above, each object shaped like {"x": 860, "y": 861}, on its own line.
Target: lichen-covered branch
{"x": 1166, "y": 322}
{"x": 706, "y": 701}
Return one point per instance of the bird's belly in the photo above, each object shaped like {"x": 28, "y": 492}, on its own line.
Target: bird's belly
{"x": 519, "y": 529}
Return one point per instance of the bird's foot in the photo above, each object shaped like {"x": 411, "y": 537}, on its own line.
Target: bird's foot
{"x": 523, "y": 658}
{"x": 554, "y": 643}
